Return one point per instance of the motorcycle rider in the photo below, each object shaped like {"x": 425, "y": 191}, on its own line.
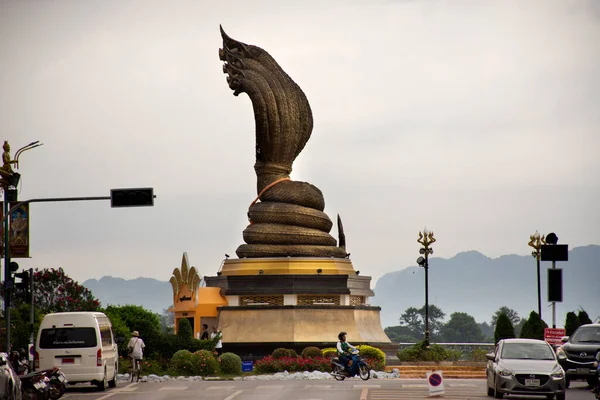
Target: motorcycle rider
{"x": 347, "y": 354}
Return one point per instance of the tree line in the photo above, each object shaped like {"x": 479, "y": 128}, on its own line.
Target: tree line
{"x": 462, "y": 327}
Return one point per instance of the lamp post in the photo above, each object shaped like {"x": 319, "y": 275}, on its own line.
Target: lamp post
{"x": 426, "y": 239}
{"x": 536, "y": 241}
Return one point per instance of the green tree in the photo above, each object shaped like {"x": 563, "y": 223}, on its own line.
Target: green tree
{"x": 487, "y": 331}
{"x": 571, "y": 323}
{"x": 184, "y": 330}
{"x": 400, "y": 334}
{"x": 461, "y": 328}
{"x": 509, "y": 312}
{"x": 519, "y": 327}
{"x": 120, "y": 329}
{"x": 137, "y": 318}
{"x": 54, "y": 291}
{"x": 583, "y": 317}
{"x": 167, "y": 321}
{"x": 504, "y": 328}
{"x": 533, "y": 327}
{"x": 414, "y": 319}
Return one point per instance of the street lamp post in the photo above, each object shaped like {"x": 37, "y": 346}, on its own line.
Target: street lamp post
{"x": 536, "y": 241}
{"x": 426, "y": 239}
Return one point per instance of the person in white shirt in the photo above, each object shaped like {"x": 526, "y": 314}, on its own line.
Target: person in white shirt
{"x": 219, "y": 345}
{"x": 136, "y": 349}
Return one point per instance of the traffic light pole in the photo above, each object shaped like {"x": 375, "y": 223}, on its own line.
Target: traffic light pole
{"x": 7, "y": 279}
{"x": 148, "y": 200}
{"x": 31, "y": 326}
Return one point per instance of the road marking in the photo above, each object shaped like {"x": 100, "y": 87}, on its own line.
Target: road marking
{"x": 317, "y": 387}
{"x": 414, "y": 386}
{"x": 367, "y": 386}
{"x": 220, "y": 387}
{"x": 462, "y": 385}
{"x": 167, "y": 388}
{"x": 129, "y": 388}
{"x": 269, "y": 387}
{"x": 106, "y": 396}
{"x": 364, "y": 394}
{"x": 233, "y": 395}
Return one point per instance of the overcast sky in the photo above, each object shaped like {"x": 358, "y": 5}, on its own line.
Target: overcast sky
{"x": 476, "y": 119}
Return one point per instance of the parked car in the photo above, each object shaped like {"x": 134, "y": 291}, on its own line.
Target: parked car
{"x": 524, "y": 367}
{"x": 10, "y": 384}
{"x": 577, "y": 355}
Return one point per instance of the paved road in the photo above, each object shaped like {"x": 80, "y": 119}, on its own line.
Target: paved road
{"x": 389, "y": 389}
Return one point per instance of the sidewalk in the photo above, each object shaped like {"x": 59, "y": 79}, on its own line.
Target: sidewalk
{"x": 448, "y": 371}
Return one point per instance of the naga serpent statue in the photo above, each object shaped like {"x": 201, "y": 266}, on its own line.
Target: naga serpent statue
{"x": 289, "y": 219}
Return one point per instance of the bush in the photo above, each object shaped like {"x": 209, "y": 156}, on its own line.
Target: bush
{"x": 182, "y": 363}
{"x": 312, "y": 352}
{"x": 292, "y": 353}
{"x": 281, "y": 352}
{"x": 270, "y": 364}
{"x": 371, "y": 352}
{"x": 230, "y": 363}
{"x": 420, "y": 352}
{"x": 329, "y": 352}
{"x": 204, "y": 363}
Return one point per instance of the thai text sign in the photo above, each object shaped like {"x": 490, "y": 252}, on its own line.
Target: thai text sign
{"x": 553, "y": 335}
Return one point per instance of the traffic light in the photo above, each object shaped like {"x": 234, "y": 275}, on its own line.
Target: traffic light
{"x": 136, "y": 197}
{"x": 555, "y": 284}
{"x": 22, "y": 288}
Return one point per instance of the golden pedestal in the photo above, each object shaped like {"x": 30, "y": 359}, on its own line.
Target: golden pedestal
{"x": 294, "y": 302}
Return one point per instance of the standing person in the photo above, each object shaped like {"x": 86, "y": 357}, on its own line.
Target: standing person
{"x": 346, "y": 353}
{"x": 219, "y": 345}
{"x": 204, "y": 332}
{"x": 135, "y": 349}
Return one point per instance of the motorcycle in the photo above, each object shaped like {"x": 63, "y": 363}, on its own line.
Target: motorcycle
{"x": 57, "y": 382}
{"x": 339, "y": 371}
{"x": 35, "y": 386}
{"x": 598, "y": 375}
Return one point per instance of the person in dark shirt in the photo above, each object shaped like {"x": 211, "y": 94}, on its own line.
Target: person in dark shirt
{"x": 204, "y": 332}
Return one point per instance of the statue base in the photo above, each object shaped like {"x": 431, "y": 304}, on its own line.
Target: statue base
{"x": 294, "y": 302}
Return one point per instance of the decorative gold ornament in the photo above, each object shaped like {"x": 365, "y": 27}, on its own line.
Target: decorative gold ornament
{"x": 185, "y": 280}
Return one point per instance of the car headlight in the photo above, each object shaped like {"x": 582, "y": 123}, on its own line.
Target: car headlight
{"x": 560, "y": 353}
{"x": 559, "y": 373}
{"x": 504, "y": 372}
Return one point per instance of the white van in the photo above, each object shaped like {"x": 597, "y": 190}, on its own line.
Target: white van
{"x": 81, "y": 344}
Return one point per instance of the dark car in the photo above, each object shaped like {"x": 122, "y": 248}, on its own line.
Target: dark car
{"x": 577, "y": 356}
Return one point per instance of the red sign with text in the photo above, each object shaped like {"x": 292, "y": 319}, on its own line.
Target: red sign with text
{"x": 553, "y": 335}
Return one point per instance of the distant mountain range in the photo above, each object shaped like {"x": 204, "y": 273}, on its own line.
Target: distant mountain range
{"x": 478, "y": 285}
{"x": 152, "y": 294}
{"x": 468, "y": 282}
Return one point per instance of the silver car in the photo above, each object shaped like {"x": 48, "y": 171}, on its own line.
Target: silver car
{"x": 524, "y": 367}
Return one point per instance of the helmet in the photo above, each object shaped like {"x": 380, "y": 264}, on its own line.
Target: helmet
{"x": 341, "y": 334}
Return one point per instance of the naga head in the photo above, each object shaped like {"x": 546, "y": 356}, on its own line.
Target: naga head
{"x": 283, "y": 117}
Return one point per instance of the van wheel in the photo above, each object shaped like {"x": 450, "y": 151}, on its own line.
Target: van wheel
{"x": 103, "y": 383}
{"x": 113, "y": 382}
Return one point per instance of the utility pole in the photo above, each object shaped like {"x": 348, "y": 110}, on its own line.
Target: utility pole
{"x": 536, "y": 241}
{"x": 426, "y": 239}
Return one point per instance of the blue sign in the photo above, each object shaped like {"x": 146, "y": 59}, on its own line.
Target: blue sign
{"x": 247, "y": 366}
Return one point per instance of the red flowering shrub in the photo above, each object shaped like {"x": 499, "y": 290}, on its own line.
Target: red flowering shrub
{"x": 204, "y": 363}
{"x": 55, "y": 291}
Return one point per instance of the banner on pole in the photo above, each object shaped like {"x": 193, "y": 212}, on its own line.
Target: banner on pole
{"x": 18, "y": 232}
